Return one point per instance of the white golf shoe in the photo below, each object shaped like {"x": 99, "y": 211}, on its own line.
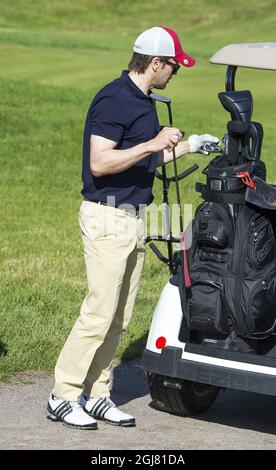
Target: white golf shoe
{"x": 104, "y": 409}
{"x": 70, "y": 413}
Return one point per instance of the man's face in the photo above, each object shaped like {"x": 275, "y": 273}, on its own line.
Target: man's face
{"x": 167, "y": 68}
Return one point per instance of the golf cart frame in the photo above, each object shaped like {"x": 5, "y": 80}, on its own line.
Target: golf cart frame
{"x": 185, "y": 377}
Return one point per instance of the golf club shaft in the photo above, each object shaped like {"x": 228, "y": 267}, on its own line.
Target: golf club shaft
{"x": 176, "y": 175}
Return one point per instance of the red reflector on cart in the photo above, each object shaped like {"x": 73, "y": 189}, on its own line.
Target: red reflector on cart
{"x": 160, "y": 342}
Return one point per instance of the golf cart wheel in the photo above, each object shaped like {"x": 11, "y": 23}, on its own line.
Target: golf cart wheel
{"x": 181, "y": 397}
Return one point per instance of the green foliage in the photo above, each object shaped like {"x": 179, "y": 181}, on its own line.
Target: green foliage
{"x": 55, "y": 55}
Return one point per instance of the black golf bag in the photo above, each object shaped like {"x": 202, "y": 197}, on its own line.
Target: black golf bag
{"x": 232, "y": 261}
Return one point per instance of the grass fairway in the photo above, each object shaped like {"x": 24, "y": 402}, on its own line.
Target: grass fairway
{"x": 54, "y": 57}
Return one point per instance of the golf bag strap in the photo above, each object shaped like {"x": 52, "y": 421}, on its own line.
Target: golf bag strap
{"x": 185, "y": 293}
{"x": 213, "y": 196}
{"x": 187, "y": 278}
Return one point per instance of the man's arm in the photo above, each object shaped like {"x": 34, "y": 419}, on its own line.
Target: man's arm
{"x": 182, "y": 148}
{"x": 194, "y": 144}
{"x": 105, "y": 159}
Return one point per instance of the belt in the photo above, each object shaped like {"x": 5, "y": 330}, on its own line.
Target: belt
{"x": 132, "y": 210}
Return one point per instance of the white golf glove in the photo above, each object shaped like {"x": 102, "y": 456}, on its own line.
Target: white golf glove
{"x": 199, "y": 143}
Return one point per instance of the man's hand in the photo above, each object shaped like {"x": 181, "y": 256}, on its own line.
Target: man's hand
{"x": 167, "y": 139}
{"x": 197, "y": 143}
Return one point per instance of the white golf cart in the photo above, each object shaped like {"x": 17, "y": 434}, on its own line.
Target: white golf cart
{"x": 186, "y": 372}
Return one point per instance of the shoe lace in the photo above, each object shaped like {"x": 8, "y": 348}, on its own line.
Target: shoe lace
{"x": 75, "y": 405}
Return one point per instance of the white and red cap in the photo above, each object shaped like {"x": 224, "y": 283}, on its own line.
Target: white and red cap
{"x": 162, "y": 42}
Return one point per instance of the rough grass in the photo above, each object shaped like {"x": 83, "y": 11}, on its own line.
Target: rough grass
{"x": 54, "y": 57}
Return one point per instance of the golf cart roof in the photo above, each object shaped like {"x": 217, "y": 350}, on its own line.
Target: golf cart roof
{"x": 259, "y": 55}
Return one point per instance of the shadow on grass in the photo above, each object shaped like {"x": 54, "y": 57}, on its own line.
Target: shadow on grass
{"x": 3, "y": 349}
{"x": 135, "y": 349}
{"x": 129, "y": 378}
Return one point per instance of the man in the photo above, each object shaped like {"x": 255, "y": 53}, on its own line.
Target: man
{"x": 123, "y": 145}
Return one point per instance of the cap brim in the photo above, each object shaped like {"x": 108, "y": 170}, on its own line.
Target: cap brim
{"x": 185, "y": 60}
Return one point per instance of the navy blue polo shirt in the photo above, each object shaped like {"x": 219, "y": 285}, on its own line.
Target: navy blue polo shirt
{"x": 123, "y": 113}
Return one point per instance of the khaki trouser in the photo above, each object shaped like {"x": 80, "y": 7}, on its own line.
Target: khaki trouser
{"x": 114, "y": 252}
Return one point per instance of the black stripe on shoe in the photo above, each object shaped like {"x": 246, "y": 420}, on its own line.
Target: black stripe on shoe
{"x": 60, "y": 411}
{"x": 104, "y": 409}
{"x": 100, "y": 408}
{"x": 65, "y": 412}
{"x": 63, "y": 409}
{"x": 96, "y": 406}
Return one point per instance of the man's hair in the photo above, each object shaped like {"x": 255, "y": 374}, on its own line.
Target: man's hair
{"x": 139, "y": 62}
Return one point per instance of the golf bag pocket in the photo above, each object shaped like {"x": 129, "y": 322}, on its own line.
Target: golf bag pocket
{"x": 207, "y": 305}
{"x": 252, "y": 303}
{"x": 211, "y": 233}
{"x": 213, "y": 227}
{"x": 261, "y": 306}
